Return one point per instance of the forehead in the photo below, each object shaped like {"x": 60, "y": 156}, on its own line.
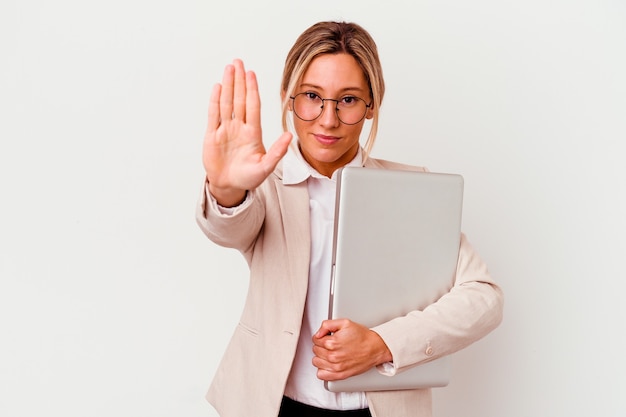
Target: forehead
{"x": 335, "y": 73}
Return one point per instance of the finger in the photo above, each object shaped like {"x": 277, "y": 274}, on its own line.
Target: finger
{"x": 226, "y": 95}
{"x": 276, "y": 152}
{"x": 330, "y": 375}
{"x": 322, "y": 346}
{"x": 239, "y": 100}
{"x": 328, "y": 364}
{"x": 325, "y": 375}
{"x": 253, "y": 100}
{"x": 214, "y": 108}
{"x": 329, "y": 326}
{"x": 332, "y": 372}
{"x": 321, "y": 363}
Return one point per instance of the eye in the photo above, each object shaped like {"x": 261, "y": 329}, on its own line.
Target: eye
{"x": 311, "y": 96}
{"x": 349, "y": 101}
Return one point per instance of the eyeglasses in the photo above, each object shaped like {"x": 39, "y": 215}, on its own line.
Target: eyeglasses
{"x": 309, "y": 106}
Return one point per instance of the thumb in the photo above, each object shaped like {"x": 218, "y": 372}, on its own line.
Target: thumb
{"x": 330, "y": 326}
{"x": 277, "y": 151}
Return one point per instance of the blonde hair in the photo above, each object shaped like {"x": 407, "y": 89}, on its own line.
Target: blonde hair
{"x": 333, "y": 38}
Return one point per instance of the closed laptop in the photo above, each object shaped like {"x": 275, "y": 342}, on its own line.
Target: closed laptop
{"x": 395, "y": 249}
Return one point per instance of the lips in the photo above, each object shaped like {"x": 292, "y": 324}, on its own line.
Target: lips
{"x": 326, "y": 140}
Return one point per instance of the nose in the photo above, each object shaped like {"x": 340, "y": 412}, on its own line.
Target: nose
{"x": 329, "y": 115}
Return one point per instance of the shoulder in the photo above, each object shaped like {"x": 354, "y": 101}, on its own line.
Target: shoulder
{"x": 386, "y": 164}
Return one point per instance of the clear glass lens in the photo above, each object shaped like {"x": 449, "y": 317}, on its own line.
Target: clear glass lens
{"x": 309, "y": 106}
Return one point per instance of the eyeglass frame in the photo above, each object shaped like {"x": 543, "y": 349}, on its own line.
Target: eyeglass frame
{"x": 324, "y": 100}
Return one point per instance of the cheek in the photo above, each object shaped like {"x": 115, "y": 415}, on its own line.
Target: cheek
{"x": 355, "y": 131}
{"x": 301, "y": 127}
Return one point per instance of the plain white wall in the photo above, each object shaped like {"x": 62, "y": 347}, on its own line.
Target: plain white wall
{"x": 112, "y": 302}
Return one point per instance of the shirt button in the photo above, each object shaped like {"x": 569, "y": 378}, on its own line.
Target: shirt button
{"x": 429, "y": 351}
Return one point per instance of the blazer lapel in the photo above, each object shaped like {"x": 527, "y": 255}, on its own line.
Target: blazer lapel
{"x": 294, "y": 207}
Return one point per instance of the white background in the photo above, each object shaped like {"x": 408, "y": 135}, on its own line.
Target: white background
{"x": 113, "y": 303}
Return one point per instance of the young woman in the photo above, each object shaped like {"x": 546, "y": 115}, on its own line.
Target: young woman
{"x": 276, "y": 207}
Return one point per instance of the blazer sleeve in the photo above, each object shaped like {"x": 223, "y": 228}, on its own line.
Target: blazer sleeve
{"x": 468, "y": 312}
{"x": 238, "y": 228}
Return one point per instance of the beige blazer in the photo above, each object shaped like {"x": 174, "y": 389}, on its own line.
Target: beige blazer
{"x": 272, "y": 232}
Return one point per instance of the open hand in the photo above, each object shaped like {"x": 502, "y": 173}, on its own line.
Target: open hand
{"x": 234, "y": 156}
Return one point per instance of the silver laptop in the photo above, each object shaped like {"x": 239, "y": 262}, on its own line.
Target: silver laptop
{"x": 395, "y": 250}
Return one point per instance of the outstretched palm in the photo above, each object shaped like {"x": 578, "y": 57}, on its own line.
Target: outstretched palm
{"x": 234, "y": 156}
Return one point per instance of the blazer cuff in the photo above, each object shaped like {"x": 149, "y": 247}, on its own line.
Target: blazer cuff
{"x": 212, "y": 205}
{"x": 387, "y": 369}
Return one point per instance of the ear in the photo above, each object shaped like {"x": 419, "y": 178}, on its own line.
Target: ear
{"x": 370, "y": 112}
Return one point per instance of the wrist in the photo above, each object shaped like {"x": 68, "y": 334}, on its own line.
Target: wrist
{"x": 227, "y": 197}
{"x": 384, "y": 354}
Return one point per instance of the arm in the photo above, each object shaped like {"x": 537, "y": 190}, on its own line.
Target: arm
{"x": 471, "y": 309}
{"x": 235, "y": 160}
{"x": 237, "y": 227}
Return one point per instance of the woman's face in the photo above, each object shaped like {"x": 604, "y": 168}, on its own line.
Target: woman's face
{"x": 326, "y": 143}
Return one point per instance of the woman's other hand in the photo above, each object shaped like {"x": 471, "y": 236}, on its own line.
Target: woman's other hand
{"x": 344, "y": 348}
{"x": 234, "y": 156}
